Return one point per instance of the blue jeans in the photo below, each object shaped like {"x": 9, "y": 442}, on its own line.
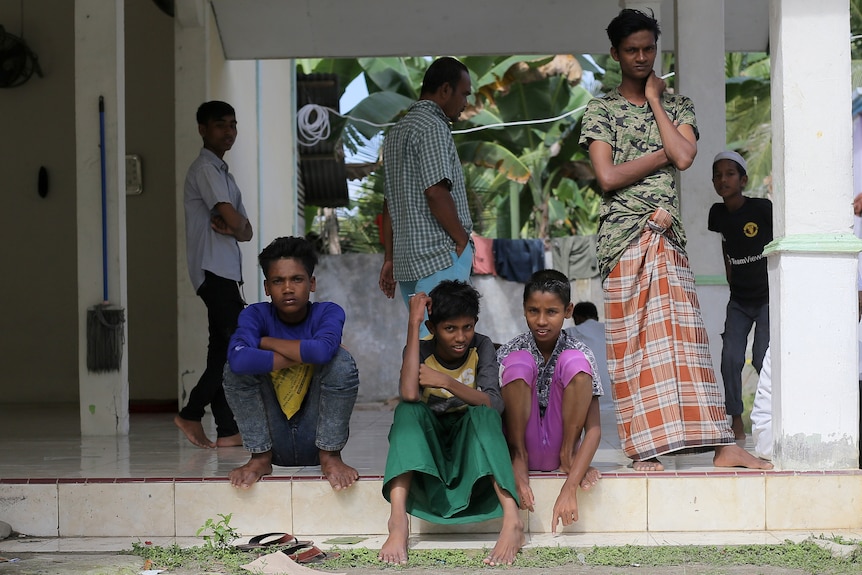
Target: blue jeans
{"x": 459, "y": 270}
{"x": 322, "y": 422}
{"x": 737, "y": 325}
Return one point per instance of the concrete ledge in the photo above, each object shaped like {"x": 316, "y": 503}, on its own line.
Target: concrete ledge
{"x": 621, "y": 502}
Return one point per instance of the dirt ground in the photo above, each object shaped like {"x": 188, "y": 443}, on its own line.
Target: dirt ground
{"x": 103, "y": 564}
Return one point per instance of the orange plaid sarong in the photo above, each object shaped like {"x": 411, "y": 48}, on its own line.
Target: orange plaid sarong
{"x": 665, "y": 394}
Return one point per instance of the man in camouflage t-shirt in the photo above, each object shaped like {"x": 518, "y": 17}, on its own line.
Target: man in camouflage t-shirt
{"x": 665, "y": 393}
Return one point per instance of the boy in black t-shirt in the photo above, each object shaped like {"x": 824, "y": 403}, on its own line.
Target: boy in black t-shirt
{"x": 745, "y": 225}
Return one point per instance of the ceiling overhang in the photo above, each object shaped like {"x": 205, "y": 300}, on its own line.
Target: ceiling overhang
{"x": 267, "y": 29}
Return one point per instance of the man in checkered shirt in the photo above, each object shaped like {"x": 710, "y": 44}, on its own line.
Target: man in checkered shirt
{"x": 426, "y": 220}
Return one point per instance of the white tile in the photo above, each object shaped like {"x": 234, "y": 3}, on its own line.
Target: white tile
{"x": 105, "y": 509}
{"x": 626, "y": 496}
{"x": 357, "y": 510}
{"x": 44, "y": 442}
{"x": 263, "y": 508}
{"x": 706, "y": 503}
{"x": 30, "y": 509}
{"x": 813, "y": 501}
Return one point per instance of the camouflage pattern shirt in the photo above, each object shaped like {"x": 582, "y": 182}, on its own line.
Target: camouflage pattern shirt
{"x": 632, "y": 132}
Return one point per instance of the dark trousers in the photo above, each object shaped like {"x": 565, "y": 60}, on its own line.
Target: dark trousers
{"x": 224, "y": 303}
{"x": 737, "y": 325}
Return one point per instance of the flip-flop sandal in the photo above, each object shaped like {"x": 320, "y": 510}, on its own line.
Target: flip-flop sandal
{"x": 274, "y": 540}
{"x": 311, "y": 555}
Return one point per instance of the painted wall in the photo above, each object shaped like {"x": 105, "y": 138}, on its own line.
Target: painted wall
{"x": 376, "y": 327}
{"x": 38, "y": 326}
{"x": 151, "y": 284}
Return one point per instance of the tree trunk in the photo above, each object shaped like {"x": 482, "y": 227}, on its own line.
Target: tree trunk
{"x": 330, "y": 232}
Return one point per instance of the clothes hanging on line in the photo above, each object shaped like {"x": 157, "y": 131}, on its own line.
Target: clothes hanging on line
{"x": 575, "y": 256}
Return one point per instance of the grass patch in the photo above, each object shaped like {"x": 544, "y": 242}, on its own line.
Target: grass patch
{"x": 805, "y": 556}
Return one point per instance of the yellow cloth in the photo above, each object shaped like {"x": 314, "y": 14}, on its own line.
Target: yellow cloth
{"x": 465, "y": 373}
{"x": 291, "y": 385}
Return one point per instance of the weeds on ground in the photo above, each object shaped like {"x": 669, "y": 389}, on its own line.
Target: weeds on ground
{"x": 806, "y": 556}
{"x": 222, "y": 532}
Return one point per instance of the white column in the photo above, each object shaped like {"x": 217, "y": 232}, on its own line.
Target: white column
{"x": 191, "y": 88}
{"x": 277, "y": 152}
{"x": 99, "y": 71}
{"x": 812, "y": 262}
{"x": 700, "y": 76}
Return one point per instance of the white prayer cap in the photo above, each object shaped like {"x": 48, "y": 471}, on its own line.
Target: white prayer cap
{"x": 729, "y": 155}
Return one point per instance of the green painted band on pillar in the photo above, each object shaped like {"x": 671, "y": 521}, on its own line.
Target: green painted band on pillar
{"x": 815, "y": 243}
{"x": 710, "y": 280}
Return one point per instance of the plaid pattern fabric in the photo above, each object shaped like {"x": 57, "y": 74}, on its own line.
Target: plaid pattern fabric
{"x": 419, "y": 152}
{"x": 664, "y": 387}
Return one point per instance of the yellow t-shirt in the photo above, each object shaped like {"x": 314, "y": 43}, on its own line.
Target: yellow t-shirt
{"x": 439, "y": 400}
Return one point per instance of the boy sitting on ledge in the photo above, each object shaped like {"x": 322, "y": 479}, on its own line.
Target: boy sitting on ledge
{"x": 448, "y": 462}
{"x": 289, "y": 382}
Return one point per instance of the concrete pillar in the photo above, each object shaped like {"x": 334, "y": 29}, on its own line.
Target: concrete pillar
{"x": 99, "y": 71}
{"x": 277, "y": 154}
{"x": 191, "y": 87}
{"x": 263, "y": 160}
{"x": 700, "y": 76}
{"x": 812, "y": 262}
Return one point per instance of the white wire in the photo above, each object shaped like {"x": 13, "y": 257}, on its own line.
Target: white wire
{"x": 312, "y": 123}
{"x": 518, "y": 123}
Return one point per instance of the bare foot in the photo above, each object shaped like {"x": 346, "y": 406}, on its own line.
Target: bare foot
{"x": 522, "y": 482}
{"x": 737, "y": 427}
{"x": 591, "y": 477}
{"x": 394, "y": 550}
{"x": 735, "y": 456}
{"x": 194, "y": 432}
{"x": 247, "y": 475}
{"x": 509, "y": 542}
{"x": 339, "y": 474}
{"x": 651, "y": 464}
{"x": 229, "y": 441}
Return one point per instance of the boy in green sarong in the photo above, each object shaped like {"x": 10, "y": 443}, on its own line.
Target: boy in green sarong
{"x": 448, "y": 460}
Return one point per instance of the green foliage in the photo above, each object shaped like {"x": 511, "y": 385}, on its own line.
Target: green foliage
{"x": 532, "y": 180}
{"x": 806, "y": 557}
{"x": 195, "y": 559}
{"x": 749, "y": 116}
{"x": 357, "y": 225}
{"x": 222, "y": 534}
{"x": 517, "y": 165}
{"x": 856, "y": 29}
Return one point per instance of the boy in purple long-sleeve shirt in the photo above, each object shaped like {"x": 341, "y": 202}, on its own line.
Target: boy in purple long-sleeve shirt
{"x": 289, "y": 339}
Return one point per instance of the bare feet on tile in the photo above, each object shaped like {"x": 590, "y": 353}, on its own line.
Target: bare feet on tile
{"x": 651, "y": 464}
{"x": 509, "y": 542}
{"x": 194, "y": 432}
{"x": 735, "y": 456}
{"x": 339, "y": 474}
{"x": 737, "y": 427}
{"x": 591, "y": 477}
{"x": 230, "y": 441}
{"x": 247, "y": 475}
{"x": 394, "y": 550}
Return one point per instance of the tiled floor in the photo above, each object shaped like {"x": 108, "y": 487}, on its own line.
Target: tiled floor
{"x": 153, "y": 483}
{"x": 45, "y": 442}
